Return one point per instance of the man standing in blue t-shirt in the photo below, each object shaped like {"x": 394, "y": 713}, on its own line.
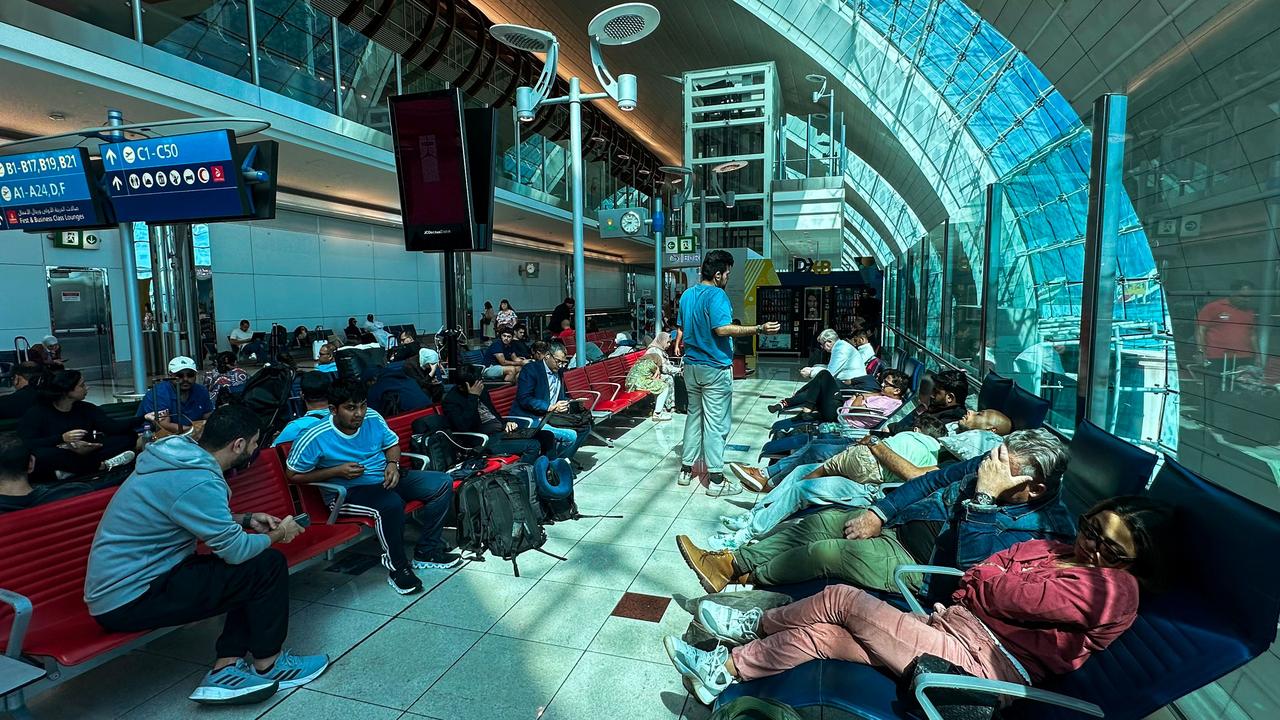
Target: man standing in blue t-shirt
{"x": 354, "y": 448}
{"x": 706, "y": 319}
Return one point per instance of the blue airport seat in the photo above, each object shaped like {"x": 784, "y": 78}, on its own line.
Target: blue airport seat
{"x": 1102, "y": 465}
{"x": 994, "y": 393}
{"x": 1219, "y": 613}
{"x": 915, "y": 370}
{"x": 1025, "y": 409}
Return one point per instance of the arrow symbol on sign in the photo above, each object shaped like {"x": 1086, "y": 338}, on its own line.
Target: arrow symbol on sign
{"x": 116, "y": 181}
{"x": 110, "y": 156}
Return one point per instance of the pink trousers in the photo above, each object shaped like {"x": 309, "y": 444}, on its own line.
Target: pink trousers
{"x": 845, "y": 623}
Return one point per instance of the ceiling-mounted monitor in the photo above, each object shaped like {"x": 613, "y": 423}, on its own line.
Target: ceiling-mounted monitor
{"x": 436, "y": 199}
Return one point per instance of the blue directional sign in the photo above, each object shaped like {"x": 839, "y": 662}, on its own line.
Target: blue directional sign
{"x": 48, "y": 190}
{"x": 175, "y": 178}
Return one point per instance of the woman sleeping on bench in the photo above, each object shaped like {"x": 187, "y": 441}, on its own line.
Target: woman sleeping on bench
{"x": 1035, "y": 610}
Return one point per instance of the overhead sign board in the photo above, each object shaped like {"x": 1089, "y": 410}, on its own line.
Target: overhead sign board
{"x": 48, "y": 190}
{"x": 174, "y": 178}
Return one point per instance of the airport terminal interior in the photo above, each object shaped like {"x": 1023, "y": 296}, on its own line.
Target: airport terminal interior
{"x": 696, "y": 359}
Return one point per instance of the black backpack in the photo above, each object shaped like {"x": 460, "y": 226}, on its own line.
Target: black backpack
{"x": 500, "y": 513}
{"x": 267, "y": 394}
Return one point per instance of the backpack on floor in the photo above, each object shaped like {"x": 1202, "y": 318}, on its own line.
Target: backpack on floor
{"x": 753, "y": 708}
{"x": 499, "y": 513}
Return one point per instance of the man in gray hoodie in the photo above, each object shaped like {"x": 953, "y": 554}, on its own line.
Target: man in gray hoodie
{"x": 144, "y": 572}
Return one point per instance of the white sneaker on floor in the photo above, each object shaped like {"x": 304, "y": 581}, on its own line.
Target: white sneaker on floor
{"x": 660, "y": 417}
{"x": 724, "y": 488}
{"x": 685, "y": 478}
{"x": 736, "y": 522}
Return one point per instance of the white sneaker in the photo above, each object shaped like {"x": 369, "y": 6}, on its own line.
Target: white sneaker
{"x": 123, "y": 458}
{"x": 685, "y": 477}
{"x": 660, "y": 417}
{"x": 723, "y": 488}
{"x": 728, "y": 624}
{"x": 705, "y": 675}
{"x": 736, "y": 522}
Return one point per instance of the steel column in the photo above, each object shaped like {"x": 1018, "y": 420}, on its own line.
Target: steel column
{"x": 579, "y": 264}
{"x": 129, "y": 265}
{"x": 1097, "y": 301}
{"x": 988, "y": 298}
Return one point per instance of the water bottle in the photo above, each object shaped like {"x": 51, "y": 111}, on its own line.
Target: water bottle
{"x": 148, "y": 432}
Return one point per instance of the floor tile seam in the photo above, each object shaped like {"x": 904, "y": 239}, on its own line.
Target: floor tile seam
{"x": 333, "y": 694}
{"x": 159, "y": 692}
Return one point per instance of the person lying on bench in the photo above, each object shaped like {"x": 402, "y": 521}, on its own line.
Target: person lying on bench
{"x": 355, "y": 448}
{"x": 144, "y": 572}
{"x": 16, "y": 490}
{"x": 946, "y": 400}
{"x": 851, "y": 479}
{"x": 1032, "y": 611}
{"x": 822, "y": 395}
{"x": 954, "y": 516}
{"x": 977, "y": 433}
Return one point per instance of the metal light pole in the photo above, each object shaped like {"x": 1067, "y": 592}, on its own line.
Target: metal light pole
{"x": 618, "y": 25}
{"x": 129, "y": 266}
{"x": 659, "y": 229}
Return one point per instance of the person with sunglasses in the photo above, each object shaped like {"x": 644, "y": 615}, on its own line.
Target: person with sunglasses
{"x": 176, "y": 403}
{"x": 1037, "y": 609}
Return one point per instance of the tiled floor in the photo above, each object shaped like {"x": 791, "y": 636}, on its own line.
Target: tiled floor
{"x": 481, "y": 644}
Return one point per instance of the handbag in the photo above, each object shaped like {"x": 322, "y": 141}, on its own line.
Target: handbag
{"x": 570, "y": 420}
{"x": 951, "y": 704}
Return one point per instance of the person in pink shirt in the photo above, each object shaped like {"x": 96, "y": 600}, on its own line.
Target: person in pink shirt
{"x": 1037, "y": 609}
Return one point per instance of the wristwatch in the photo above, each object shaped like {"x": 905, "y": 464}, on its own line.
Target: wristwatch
{"x": 873, "y": 440}
{"x": 982, "y": 498}
{"x": 246, "y": 521}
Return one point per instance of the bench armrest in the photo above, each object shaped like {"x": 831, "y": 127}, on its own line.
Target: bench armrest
{"x": 901, "y": 581}
{"x": 593, "y": 394}
{"x": 617, "y": 388}
{"x": 927, "y": 681}
{"x": 416, "y": 461}
{"x": 21, "y": 619}
{"x": 340, "y": 490}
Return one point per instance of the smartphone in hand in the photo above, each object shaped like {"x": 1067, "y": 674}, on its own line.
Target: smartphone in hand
{"x": 302, "y": 519}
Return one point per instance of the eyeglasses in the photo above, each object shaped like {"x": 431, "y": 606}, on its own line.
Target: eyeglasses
{"x": 559, "y": 358}
{"x": 1109, "y": 549}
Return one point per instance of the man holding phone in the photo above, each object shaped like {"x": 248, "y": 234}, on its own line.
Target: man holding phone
{"x": 541, "y": 392}
{"x": 144, "y": 572}
{"x": 354, "y": 448}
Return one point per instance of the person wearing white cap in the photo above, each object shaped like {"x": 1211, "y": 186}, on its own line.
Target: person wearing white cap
{"x": 48, "y": 354}
{"x": 174, "y": 403}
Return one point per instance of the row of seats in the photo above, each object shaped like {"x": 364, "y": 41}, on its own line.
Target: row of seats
{"x": 1220, "y": 612}
{"x": 42, "y": 570}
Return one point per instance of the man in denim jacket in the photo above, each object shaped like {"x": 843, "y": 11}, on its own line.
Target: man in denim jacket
{"x": 955, "y": 516}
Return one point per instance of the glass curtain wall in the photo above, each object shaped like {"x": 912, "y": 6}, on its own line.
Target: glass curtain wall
{"x": 216, "y": 37}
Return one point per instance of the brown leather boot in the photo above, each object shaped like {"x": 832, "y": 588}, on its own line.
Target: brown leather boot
{"x": 714, "y": 569}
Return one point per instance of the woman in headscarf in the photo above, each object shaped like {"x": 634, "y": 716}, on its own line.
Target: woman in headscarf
{"x": 655, "y": 374}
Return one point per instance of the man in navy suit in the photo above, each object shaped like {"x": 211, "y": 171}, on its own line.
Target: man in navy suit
{"x": 540, "y": 390}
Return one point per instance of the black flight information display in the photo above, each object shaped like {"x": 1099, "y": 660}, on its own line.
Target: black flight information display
{"x": 174, "y": 178}
{"x": 48, "y": 190}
